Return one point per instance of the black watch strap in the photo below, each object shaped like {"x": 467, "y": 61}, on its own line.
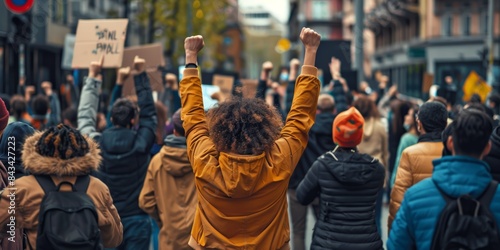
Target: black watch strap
{"x": 191, "y": 66}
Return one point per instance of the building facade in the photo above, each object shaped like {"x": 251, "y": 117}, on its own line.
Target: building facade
{"x": 437, "y": 37}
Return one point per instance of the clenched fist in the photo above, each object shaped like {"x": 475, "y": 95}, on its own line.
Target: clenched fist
{"x": 123, "y": 74}
{"x": 310, "y": 38}
{"x": 95, "y": 67}
{"x": 193, "y": 44}
{"x": 267, "y": 66}
{"x": 139, "y": 64}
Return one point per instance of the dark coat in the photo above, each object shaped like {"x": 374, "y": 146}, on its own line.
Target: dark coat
{"x": 125, "y": 152}
{"x": 348, "y": 184}
{"x": 320, "y": 141}
{"x": 493, "y": 158}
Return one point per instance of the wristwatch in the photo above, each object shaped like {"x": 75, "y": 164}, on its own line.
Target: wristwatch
{"x": 191, "y": 66}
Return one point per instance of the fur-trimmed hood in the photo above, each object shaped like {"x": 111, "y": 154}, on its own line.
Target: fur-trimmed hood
{"x": 35, "y": 163}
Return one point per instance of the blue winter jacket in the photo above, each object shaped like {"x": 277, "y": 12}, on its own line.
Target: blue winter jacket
{"x": 416, "y": 220}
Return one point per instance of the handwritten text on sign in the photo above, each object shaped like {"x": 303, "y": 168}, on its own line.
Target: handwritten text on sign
{"x": 100, "y": 37}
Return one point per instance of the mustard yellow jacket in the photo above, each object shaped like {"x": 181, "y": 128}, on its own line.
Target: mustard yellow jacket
{"x": 242, "y": 198}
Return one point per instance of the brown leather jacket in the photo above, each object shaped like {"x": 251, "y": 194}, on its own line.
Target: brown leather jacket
{"x": 169, "y": 194}
{"x": 29, "y": 194}
{"x": 414, "y": 166}
{"x": 243, "y": 198}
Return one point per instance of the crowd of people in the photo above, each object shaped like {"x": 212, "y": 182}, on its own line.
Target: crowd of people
{"x": 159, "y": 171}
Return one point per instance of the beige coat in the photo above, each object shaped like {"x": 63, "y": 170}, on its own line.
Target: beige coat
{"x": 375, "y": 142}
{"x": 169, "y": 196}
{"x": 414, "y": 166}
{"x": 29, "y": 194}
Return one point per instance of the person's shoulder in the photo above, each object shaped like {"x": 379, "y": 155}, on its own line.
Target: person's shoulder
{"x": 424, "y": 189}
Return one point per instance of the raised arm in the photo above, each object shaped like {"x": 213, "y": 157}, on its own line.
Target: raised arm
{"x": 147, "y": 114}
{"x": 294, "y": 136}
{"x": 290, "y": 88}
{"x": 122, "y": 75}
{"x": 264, "y": 80}
{"x": 199, "y": 145}
{"x": 89, "y": 100}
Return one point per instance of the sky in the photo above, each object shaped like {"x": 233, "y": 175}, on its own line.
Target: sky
{"x": 278, "y": 8}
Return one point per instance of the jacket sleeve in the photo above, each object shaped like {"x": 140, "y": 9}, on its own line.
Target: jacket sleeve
{"x": 290, "y": 88}
{"x": 261, "y": 89}
{"x": 308, "y": 188}
{"x": 339, "y": 96}
{"x": 294, "y": 135}
{"x": 200, "y": 147}
{"x": 402, "y": 235}
{"x": 147, "y": 115}
{"x": 55, "y": 110}
{"x": 109, "y": 221}
{"x": 147, "y": 200}
{"x": 402, "y": 183}
{"x": 87, "y": 109}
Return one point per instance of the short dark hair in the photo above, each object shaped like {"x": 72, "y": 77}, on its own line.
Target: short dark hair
{"x": 471, "y": 132}
{"x": 40, "y": 105}
{"x": 71, "y": 114}
{"x": 326, "y": 103}
{"x": 177, "y": 121}
{"x": 123, "y": 111}
{"x": 433, "y": 116}
{"x": 18, "y": 106}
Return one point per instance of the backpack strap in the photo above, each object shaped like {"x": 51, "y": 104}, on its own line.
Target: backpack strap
{"x": 488, "y": 194}
{"x": 46, "y": 183}
{"x": 82, "y": 183}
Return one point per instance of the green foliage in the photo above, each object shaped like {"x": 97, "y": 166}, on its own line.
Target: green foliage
{"x": 208, "y": 18}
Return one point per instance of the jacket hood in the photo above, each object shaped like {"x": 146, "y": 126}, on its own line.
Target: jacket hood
{"x": 323, "y": 124}
{"x": 495, "y": 139}
{"x": 175, "y": 141}
{"x": 18, "y": 132}
{"x": 38, "y": 164}
{"x": 369, "y": 127}
{"x": 354, "y": 168}
{"x": 174, "y": 156}
{"x": 458, "y": 175}
{"x": 240, "y": 173}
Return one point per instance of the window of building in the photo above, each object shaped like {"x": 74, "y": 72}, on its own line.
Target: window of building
{"x": 320, "y": 9}
{"x": 59, "y": 11}
{"x": 484, "y": 22}
{"x": 92, "y": 4}
{"x": 446, "y": 24}
{"x": 466, "y": 19}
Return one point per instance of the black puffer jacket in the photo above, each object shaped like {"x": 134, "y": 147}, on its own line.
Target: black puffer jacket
{"x": 348, "y": 184}
{"x": 493, "y": 158}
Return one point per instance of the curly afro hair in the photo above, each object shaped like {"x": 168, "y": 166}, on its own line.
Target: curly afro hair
{"x": 244, "y": 126}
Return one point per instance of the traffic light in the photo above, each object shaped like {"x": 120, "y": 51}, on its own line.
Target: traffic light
{"x": 23, "y": 32}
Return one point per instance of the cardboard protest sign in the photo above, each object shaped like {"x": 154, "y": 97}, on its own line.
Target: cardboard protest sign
{"x": 474, "y": 84}
{"x": 99, "y": 37}
{"x": 428, "y": 81}
{"x": 207, "y": 91}
{"x": 69, "y": 44}
{"x": 153, "y": 54}
{"x": 249, "y": 87}
{"x": 225, "y": 83}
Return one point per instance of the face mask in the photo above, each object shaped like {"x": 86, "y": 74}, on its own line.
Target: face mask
{"x": 284, "y": 77}
{"x": 407, "y": 127}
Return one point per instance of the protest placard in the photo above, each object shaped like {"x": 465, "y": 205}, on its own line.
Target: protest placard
{"x": 99, "y": 37}
{"x": 225, "y": 84}
{"x": 153, "y": 54}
